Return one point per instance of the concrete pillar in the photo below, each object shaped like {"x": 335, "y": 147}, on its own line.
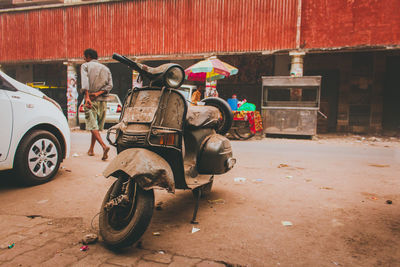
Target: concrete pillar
{"x": 72, "y": 94}
{"x": 297, "y": 68}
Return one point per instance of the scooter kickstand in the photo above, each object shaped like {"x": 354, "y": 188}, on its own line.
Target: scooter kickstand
{"x": 196, "y": 195}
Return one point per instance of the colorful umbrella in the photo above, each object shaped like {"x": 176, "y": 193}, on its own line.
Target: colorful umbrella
{"x": 210, "y": 69}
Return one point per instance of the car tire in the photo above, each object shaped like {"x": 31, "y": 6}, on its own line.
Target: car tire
{"x": 82, "y": 126}
{"x": 37, "y": 158}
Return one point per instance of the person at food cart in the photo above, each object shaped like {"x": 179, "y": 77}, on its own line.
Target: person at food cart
{"x": 96, "y": 84}
{"x": 233, "y": 102}
{"x": 197, "y": 95}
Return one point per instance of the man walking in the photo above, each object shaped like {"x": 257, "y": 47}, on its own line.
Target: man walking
{"x": 96, "y": 84}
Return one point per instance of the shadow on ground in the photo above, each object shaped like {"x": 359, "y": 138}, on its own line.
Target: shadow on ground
{"x": 8, "y": 180}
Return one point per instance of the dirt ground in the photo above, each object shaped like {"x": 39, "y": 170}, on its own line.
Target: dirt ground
{"x": 320, "y": 202}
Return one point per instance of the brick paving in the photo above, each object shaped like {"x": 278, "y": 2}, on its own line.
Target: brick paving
{"x": 42, "y": 241}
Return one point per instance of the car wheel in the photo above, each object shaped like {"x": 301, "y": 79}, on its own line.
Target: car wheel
{"x": 38, "y": 157}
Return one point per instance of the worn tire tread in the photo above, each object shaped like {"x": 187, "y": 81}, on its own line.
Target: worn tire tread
{"x": 137, "y": 226}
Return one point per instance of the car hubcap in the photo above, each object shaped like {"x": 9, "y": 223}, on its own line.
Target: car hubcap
{"x": 42, "y": 157}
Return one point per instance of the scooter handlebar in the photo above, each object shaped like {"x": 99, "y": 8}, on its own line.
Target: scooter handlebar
{"x": 130, "y": 63}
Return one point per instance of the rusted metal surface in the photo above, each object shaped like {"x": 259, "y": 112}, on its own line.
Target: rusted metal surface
{"x": 148, "y": 27}
{"x": 37, "y": 34}
{"x": 288, "y": 81}
{"x": 172, "y": 110}
{"x": 144, "y": 107}
{"x": 202, "y": 116}
{"x": 350, "y": 23}
{"x": 147, "y": 168}
{"x": 290, "y": 121}
{"x": 215, "y": 155}
{"x": 194, "y": 27}
{"x": 34, "y": 2}
{"x": 291, "y": 104}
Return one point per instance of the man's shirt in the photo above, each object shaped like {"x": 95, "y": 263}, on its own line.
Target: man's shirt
{"x": 96, "y": 77}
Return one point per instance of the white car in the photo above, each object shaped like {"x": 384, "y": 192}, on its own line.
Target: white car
{"x": 114, "y": 108}
{"x": 187, "y": 91}
{"x": 34, "y": 133}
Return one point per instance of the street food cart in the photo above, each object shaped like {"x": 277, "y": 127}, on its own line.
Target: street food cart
{"x": 290, "y": 105}
{"x": 245, "y": 124}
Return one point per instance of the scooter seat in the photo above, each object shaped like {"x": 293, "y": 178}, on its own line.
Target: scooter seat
{"x": 202, "y": 117}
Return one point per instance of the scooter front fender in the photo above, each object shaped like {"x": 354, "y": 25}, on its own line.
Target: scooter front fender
{"x": 147, "y": 168}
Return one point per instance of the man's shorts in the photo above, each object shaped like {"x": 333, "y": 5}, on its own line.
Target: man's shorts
{"x": 96, "y": 116}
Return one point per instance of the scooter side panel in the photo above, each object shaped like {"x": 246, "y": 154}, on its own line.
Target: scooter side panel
{"x": 147, "y": 168}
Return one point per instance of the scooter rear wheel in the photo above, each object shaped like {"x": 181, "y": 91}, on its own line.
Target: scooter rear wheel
{"x": 123, "y": 226}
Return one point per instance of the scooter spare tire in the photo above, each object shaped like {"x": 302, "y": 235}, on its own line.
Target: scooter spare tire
{"x": 122, "y": 226}
{"x": 226, "y": 118}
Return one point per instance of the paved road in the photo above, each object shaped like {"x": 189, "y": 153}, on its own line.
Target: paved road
{"x": 333, "y": 191}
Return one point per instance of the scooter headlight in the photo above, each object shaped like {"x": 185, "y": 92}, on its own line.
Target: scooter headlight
{"x": 174, "y": 76}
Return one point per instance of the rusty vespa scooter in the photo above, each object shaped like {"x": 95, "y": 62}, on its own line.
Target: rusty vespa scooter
{"x": 162, "y": 142}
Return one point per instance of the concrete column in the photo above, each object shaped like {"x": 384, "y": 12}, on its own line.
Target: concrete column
{"x": 72, "y": 94}
{"x": 297, "y": 68}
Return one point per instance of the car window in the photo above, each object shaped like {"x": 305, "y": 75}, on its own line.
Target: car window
{"x": 6, "y": 85}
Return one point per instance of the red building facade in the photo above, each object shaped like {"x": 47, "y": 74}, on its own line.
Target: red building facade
{"x": 338, "y": 36}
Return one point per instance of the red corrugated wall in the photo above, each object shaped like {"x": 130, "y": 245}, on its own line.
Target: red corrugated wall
{"x": 162, "y": 27}
{"x": 340, "y": 23}
{"x": 149, "y": 27}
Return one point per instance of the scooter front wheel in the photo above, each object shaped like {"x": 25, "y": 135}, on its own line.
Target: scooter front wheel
{"x": 122, "y": 223}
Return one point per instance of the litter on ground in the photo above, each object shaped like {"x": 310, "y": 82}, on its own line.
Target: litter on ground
{"x": 89, "y": 239}
{"x": 326, "y": 188}
{"x": 286, "y": 223}
{"x": 239, "y": 180}
{"x": 84, "y": 248}
{"x": 379, "y": 165}
{"x": 282, "y": 165}
{"x": 217, "y": 201}
{"x": 194, "y": 230}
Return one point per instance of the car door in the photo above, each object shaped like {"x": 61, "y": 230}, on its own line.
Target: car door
{"x": 6, "y": 121}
